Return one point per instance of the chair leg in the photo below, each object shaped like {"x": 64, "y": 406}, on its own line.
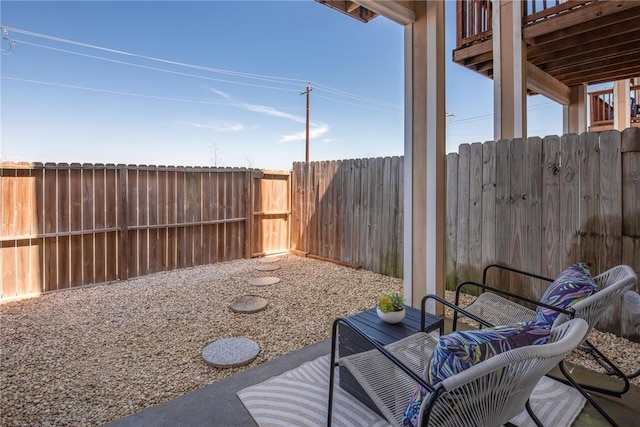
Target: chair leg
{"x": 332, "y": 372}
{"x": 586, "y": 395}
{"x": 533, "y": 416}
{"x": 612, "y": 369}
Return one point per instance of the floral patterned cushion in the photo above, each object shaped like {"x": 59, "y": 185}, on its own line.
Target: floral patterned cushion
{"x": 572, "y": 285}
{"x": 461, "y": 350}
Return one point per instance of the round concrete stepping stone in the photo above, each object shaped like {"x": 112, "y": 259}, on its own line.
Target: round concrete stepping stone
{"x": 267, "y": 267}
{"x": 268, "y": 260}
{"x": 263, "y": 281}
{"x": 249, "y": 304}
{"x": 231, "y": 352}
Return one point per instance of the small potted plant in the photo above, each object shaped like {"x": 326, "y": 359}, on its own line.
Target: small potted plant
{"x": 390, "y": 307}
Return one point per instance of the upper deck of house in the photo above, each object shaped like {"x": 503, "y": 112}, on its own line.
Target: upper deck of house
{"x": 567, "y": 43}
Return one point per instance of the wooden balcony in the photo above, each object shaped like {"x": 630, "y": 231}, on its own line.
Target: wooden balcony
{"x": 601, "y": 104}
{"x": 573, "y": 41}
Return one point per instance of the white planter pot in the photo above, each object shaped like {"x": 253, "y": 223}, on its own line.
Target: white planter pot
{"x": 392, "y": 316}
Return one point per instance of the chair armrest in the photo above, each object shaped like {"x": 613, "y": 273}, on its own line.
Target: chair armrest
{"x": 378, "y": 347}
{"x": 513, "y": 270}
{"x": 452, "y": 306}
{"x": 569, "y": 311}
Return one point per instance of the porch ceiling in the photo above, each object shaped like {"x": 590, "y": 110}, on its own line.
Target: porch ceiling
{"x": 595, "y": 43}
{"x": 350, "y": 8}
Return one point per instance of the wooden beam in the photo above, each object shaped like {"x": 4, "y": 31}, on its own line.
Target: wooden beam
{"x": 352, "y": 6}
{"x": 540, "y": 82}
{"x": 586, "y": 49}
{"x": 393, "y": 10}
{"x": 587, "y": 13}
{"x": 623, "y": 18}
{"x": 607, "y": 36}
{"x": 460, "y": 55}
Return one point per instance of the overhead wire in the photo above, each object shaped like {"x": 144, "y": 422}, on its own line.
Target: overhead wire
{"x": 140, "y": 95}
{"x": 153, "y": 68}
{"x": 272, "y": 79}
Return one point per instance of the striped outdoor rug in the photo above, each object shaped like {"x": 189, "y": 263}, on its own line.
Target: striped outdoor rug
{"x": 299, "y": 398}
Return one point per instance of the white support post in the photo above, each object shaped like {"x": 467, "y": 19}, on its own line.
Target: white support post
{"x": 509, "y": 71}
{"x": 425, "y": 155}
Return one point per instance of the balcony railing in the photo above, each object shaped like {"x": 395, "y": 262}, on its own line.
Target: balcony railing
{"x": 474, "y": 16}
{"x": 601, "y": 104}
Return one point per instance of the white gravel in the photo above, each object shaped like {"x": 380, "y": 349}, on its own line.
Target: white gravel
{"x": 96, "y": 354}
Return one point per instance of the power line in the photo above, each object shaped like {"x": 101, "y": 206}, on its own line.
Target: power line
{"x": 140, "y": 95}
{"x": 273, "y": 79}
{"x": 154, "y": 68}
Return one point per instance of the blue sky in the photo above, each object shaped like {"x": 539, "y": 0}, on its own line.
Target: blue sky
{"x": 210, "y": 83}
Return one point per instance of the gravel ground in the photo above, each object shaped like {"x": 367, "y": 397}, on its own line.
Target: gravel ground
{"x": 96, "y": 354}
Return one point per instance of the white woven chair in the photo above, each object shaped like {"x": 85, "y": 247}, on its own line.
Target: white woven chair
{"x": 487, "y": 394}
{"x": 494, "y": 307}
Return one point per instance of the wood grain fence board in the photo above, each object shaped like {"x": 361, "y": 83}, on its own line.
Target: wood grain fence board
{"x": 112, "y": 249}
{"x": 533, "y": 204}
{"x": 181, "y": 237}
{"x": 216, "y": 230}
{"x": 7, "y": 226}
{"x": 8, "y": 265}
{"x": 63, "y": 226}
{"x": 357, "y": 220}
{"x": 208, "y": 215}
{"x": 488, "y": 213}
{"x": 88, "y": 218}
{"x": 99, "y": 221}
{"x": 297, "y": 210}
{"x": 337, "y": 213}
{"x": 400, "y": 216}
{"x": 570, "y": 199}
{"x": 475, "y": 212}
{"x": 611, "y": 199}
{"x": 631, "y": 190}
{"x": 238, "y": 202}
{"x": 38, "y": 276}
{"x": 50, "y": 258}
{"x": 551, "y": 246}
{"x": 373, "y": 214}
{"x": 144, "y": 234}
{"x": 462, "y": 255}
{"x": 590, "y": 226}
{"x": 27, "y": 225}
{"x": 334, "y": 242}
{"x": 345, "y": 209}
{"x": 631, "y": 252}
{"x": 503, "y": 205}
{"x": 318, "y": 193}
{"x": 75, "y": 215}
{"x": 396, "y": 213}
{"x": 387, "y": 227}
{"x": 133, "y": 236}
{"x": 222, "y": 230}
{"x": 154, "y": 244}
{"x": 609, "y": 216}
{"x": 517, "y": 234}
{"x": 452, "y": 277}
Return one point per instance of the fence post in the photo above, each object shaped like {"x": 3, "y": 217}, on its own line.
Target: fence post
{"x": 248, "y": 201}
{"x": 123, "y": 250}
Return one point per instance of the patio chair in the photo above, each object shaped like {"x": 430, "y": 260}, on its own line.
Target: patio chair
{"x": 498, "y": 307}
{"x": 489, "y": 393}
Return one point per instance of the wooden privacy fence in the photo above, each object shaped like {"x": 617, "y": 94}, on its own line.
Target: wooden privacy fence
{"x": 351, "y": 211}
{"x": 543, "y": 204}
{"x": 537, "y": 204}
{"x": 63, "y": 226}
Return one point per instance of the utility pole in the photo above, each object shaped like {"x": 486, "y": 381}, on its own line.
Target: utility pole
{"x": 307, "y": 92}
